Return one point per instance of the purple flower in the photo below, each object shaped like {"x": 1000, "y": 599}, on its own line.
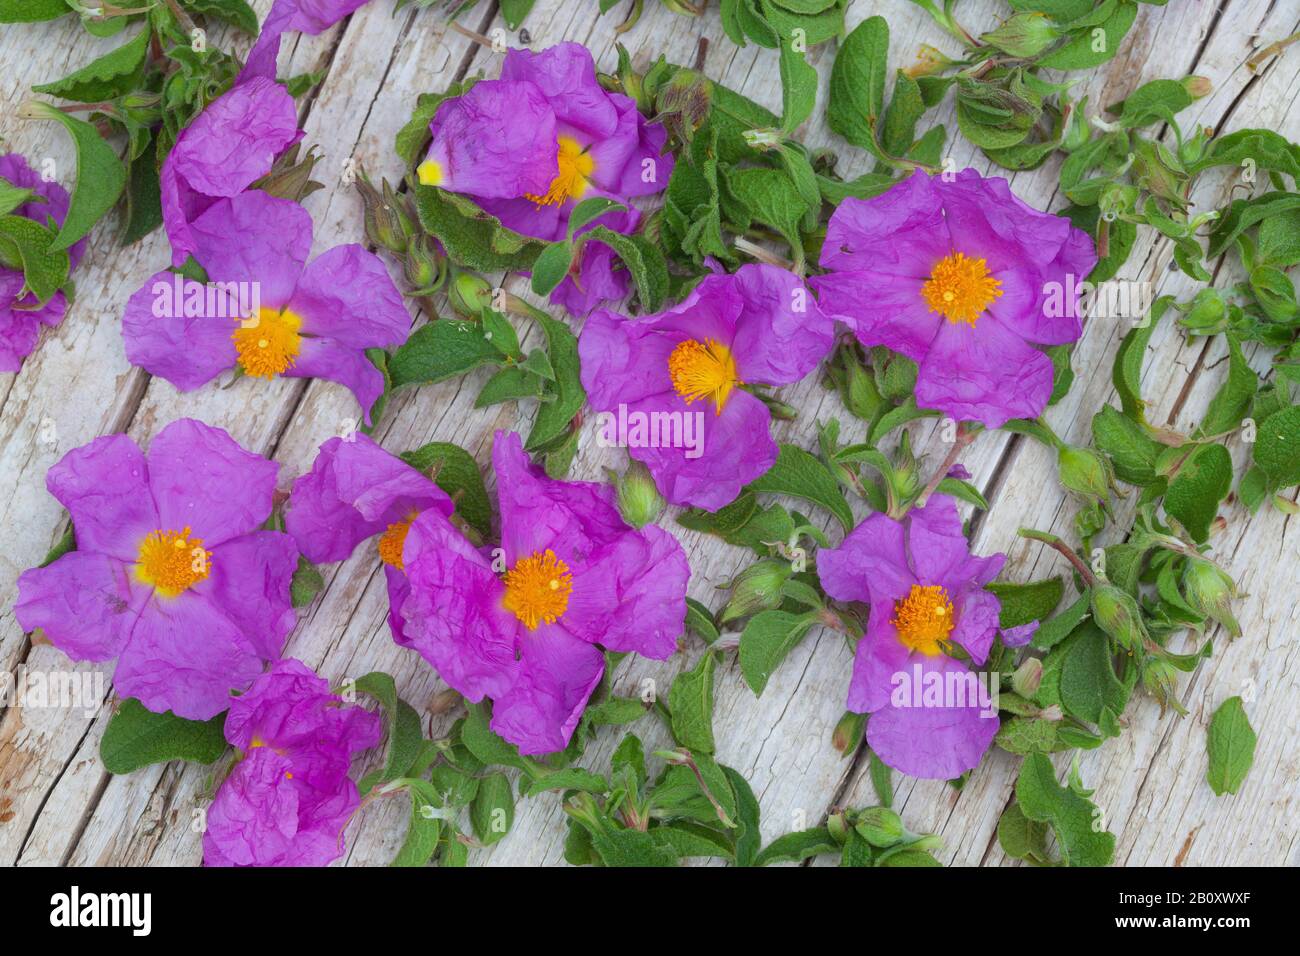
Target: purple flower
{"x": 965, "y": 279}
{"x": 287, "y": 800}
{"x": 21, "y": 314}
{"x": 354, "y": 491}
{"x": 930, "y": 714}
{"x": 171, "y": 575}
{"x": 576, "y": 579}
{"x": 307, "y": 321}
{"x": 228, "y": 147}
{"x": 757, "y": 327}
{"x": 529, "y": 146}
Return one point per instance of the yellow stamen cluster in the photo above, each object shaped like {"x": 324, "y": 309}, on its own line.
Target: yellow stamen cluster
{"x": 538, "y": 588}
{"x": 268, "y": 344}
{"x": 172, "y": 561}
{"x": 960, "y": 288}
{"x": 575, "y": 166}
{"x": 924, "y": 619}
{"x": 394, "y": 539}
{"x": 703, "y": 370}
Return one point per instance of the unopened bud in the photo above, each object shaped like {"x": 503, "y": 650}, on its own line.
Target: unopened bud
{"x": 1209, "y": 589}
{"x": 382, "y": 220}
{"x": 423, "y": 264}
{"x": 639, "y": 501}
{"x": 848, "y": 732}
{"x": 1197, "y": 86}
{"x": 1027, "y": 677}
{"x": 469, "y": 294}
{"x": 1084, "y": 471}
{"x": 880, "y": 826}
{"x": 757, "y": 588}
{"x": 1023, "y": 35}
{"x": 1158, "y": 677}
{"x": 1116, "y": 612}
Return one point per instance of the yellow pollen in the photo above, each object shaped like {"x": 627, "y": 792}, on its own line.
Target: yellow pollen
{"x": 394, "y": 539}
{"x": 172, "y": 561}
{"x": 960, "y": 288}
{"x": 538, "y": 588}
{"x": 571, "y": 181}
{"x": 268, "y": 344}
{"x": 430, "y": 172}
{"x": 703, "y": 370}
{"x": 924, "y": 619}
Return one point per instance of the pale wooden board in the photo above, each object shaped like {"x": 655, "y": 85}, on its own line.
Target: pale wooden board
{"x": 57, "y": 805}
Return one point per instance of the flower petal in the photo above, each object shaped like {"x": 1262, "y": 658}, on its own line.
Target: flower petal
{"x": 870, "y": 564}
{"x": 555, "y": 678}
{"x": 781, "y": 333}
{"x": 254, "y": 238}
{"x": 350, "y": 367}
{"x": 84, "y": 602}
{"x": 105, "y": 487}
{"x": 880, "y": 309}
{"x": 901, "y": 232}
{"x": 202, "y": 479}
{"x": 248, "y": 581}
{"x": 347, "y": 295}
{"x": 162, "y": 338}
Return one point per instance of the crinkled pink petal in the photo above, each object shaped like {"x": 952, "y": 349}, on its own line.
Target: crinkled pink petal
{"x": 347, "y": 295}
{"x": 105, "y": 487}
{"x": 248, "y": 581}
{"x": 881, "y": 310}
{"x": 555, "y": 678}
{"x": 186, "y": 350}
{"x": 254, "y": 237}
{"x": 85, "y": 603}
{"x": 870, "y": 564}
{"x": 328, "y": 359}
{"x": 781, "y": 334}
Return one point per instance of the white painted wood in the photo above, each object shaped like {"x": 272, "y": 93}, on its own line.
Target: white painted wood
{"x": 58, "y": 805}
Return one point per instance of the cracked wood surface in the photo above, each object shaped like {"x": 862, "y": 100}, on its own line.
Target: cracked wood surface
{"x": 58, "y": 805}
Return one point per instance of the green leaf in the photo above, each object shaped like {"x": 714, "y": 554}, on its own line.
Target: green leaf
{"x": 802, "y": 475}
{"x": 1028, "y": 735}
{"x": 101, "y": 176}
{"x": 424, "y": 828}
{"x": 690, "y": 702}
{"x": 589, "y": 210}
{"x": 479, "y": 738}
{"x": 1127, "y": 371}
{"x": 700, "y": 620}
{"x": 306, "y": 583}
{"x": 1265, "y": 148}
{"x": 643, "y": 260}
{"x": 459, "y": 476}
{"x": 1058, "y": 628}
{"x": 405, "y": 737}
{"x": 1231, "y": 745}
{"x": 570, "y": 778}
{"x": 748, "y": 838}
{"x": 1231, "y": 403}
{"x": 882, "y": 780}
{"x": 136, "y": 737}
{"x": 1022, "y": 603}
{"x": 857, "y": 87}
{"x": 492, "y": 812}
{"x": 1020, "y": 837}
{"x": 1087, "y": 684}
{"x": 1071, "y": 816}
{"x": 143, "y": 198}
{"x": 551, "y": 267}
{"x": 440, "y": 350}
{"x": 798, "y": 86}
{"x": 798, "y": 846}
{"x": 566, "y": 394}
{"x": 26, "y": 244}
{"x": 235, "y": 12}
{"x": 514, "y": 11}
{"x": 768, "y": 638}
{"x": 67, "y": 542}
{"x": 1198, "y": 486}
{"x": 1131, "y": 450}
{"x": 773, "y": 199}
{"x": 113, "y": 74}
{"x": 1090, "y": 48}
{"x": 473, "y": 238}
{"x": 31, "y": 11}
{"x": 1277, "y": 447}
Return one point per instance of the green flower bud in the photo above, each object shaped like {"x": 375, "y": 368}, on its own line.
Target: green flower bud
{"x": 838, "y": 825}
{"x": 1027, "y": 677}
{"x": 1197, "y": 86}
{"x": 639, "y": 501}
{"x": 848, "y": 732}
{"x": 383, "y": 223}
{"x": 1116, "y": 612}
{"x": 757, "y": 588}
{"x": 1209, "y": 589}
{"x": 880, "y": 826}
{"x": 1023, "y": 35}
{"x": 1159, "y": 679}
{"x": 423, "y": 264}
{"x": 1084, "y": 471}
{"x": 469, "y": 294}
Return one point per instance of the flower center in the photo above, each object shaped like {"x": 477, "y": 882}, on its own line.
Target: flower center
{"x": 538, "y": 588}
{"x": 571, "y": 181}
{"x": 960, "y": 288}
{"x": 268, "y": 344}
{"x": 703, "y": 370}
{"x": 394, "y": 539}
{"x": 924, "y": 619}
{"x": 172, "y": 561}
